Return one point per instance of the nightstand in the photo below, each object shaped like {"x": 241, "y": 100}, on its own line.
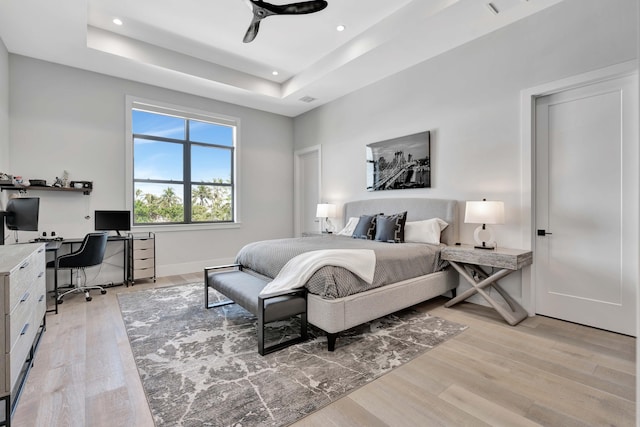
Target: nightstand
{"x": 468, "y": 261}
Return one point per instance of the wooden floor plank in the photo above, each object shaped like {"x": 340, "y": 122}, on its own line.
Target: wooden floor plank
{"x": 484, "y": 409}
{"x": 542, "y": 371}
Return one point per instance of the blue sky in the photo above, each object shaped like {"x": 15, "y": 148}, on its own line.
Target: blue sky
{"x": 163, "y": 160}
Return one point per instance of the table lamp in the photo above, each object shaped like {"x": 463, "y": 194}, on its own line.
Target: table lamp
{"x": 326, "y": 210}
{"x": 484, "y": 213}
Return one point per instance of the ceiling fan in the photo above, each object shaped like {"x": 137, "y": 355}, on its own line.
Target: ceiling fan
{"x": 262, "y": 9}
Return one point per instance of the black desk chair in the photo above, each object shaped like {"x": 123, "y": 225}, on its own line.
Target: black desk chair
{"x": 91, "y": 253}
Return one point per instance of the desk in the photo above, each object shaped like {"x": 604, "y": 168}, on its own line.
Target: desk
{"x": 55, "y": 246}
{"x": 467, "y": 261}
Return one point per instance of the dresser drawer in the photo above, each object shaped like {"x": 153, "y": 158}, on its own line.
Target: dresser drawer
{"x": 5, "y": 384}
{"x": 142, "y": 244}
{"x": 22, "y": 347}
{"x": 144, "y": 263}
{"x": 33, "y": 298}
{"x": 143, "y": 273}
{"x": 23, "y": 277}
{"x": 143, "y": 254}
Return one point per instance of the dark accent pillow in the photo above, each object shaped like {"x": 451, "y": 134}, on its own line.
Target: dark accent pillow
{"x": 390, "y": 228}
{"x": 366, "y": 228}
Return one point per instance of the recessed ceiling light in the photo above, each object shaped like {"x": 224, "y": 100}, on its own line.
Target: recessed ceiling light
{"x": 117, "y": 21}
{"x": 275, "y": 73}
{"x": 341, "y": 28}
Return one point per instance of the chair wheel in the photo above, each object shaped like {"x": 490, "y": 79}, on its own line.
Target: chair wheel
{"x": 103, "y": 291}
{"x": 89, "y": 298}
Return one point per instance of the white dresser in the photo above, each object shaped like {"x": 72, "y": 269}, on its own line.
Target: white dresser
{"x": 23, "y": 305}
{"x": 143, "y": 256}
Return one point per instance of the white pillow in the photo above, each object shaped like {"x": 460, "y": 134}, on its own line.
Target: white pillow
{"x": 427, "y": 231}
{"x": 349, "y": 228}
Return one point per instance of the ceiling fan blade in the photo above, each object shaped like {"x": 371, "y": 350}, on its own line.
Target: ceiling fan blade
{"x": 262, "y": 9}
{"x": 301, "y": 7}
{"x": 252, "y": 31}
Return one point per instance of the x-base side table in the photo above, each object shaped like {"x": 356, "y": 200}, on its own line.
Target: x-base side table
{"x": 468, "y": 261}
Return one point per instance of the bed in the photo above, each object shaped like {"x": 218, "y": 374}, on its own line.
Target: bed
{"x": 336, "y": 310}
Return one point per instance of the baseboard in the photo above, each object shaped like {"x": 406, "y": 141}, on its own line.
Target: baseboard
{"x": 190, "y": 267}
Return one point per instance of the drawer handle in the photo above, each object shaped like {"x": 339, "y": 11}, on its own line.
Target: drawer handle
{"x": 40, "y": 250}
{"x": 41, "y": 298}
{"x": 24, "y": 330}
{"x": 41, "y": 274}
{"x": 25, "y": 265}
{"x": 25, "y": 297}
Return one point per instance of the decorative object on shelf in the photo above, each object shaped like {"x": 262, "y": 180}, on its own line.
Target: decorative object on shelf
{"x": 82, "y": 184}
{"x": 6, "y": 179}
{"x": 326, "y": 210}
{"x": 484, "y": 212}
{"x": 65, "y": 179}
{"x": 399, "y": 163}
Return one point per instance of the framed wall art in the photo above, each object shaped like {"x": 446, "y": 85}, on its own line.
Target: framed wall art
{"x": 399, "y": 163}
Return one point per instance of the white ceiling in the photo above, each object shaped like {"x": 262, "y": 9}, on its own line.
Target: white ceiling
{"x": 195, "y": 46}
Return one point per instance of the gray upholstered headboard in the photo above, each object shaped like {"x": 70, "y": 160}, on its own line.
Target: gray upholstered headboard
{"x": 417, "y": 209}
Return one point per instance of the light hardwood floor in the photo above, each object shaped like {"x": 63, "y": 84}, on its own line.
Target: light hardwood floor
{"x": 541, "y": 372}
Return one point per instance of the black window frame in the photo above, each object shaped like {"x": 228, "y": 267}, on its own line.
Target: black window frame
{"x": 187, "y": 183}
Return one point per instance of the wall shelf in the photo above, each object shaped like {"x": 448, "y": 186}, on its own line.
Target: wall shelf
{"x": 85, "y": 191}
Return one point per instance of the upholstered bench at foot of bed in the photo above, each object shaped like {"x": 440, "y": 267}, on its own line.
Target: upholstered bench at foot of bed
{"x": 244, "y": 289}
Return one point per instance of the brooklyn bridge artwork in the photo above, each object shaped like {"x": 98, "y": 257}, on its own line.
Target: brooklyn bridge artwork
{"x": 399, "y": 163}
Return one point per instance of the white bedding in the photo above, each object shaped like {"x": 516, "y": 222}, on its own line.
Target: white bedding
{"x": 297, "y": 271}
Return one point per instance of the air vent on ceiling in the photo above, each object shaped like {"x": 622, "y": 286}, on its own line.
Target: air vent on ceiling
{"x": 308, "y": 99}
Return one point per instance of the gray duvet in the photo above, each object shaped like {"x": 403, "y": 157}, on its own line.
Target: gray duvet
{"x": 394, "y": 262}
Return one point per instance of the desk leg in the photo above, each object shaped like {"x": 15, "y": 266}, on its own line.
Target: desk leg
{"x": 513, "y": 317}
{"x": 55, "y": 286}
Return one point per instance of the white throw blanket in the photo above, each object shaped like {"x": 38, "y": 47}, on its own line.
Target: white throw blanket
{"x": 297, "y": 271}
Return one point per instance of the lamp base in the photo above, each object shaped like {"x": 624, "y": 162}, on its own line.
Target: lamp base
{"x": 485, "y": 247}
{"x": 488, "y": 242}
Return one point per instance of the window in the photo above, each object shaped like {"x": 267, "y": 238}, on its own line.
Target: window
{"x": 180, "y": 156}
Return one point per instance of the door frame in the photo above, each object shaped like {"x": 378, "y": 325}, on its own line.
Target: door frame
{"x": 527, "y": 143}
{"x": 297, "y": 190}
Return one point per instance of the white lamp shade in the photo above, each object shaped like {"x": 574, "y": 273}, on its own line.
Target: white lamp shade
{"x": 325, "y": 210}
{"x": 484, "y": 212}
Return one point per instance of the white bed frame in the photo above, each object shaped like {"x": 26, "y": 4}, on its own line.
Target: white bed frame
{"x": 336, "y": 315}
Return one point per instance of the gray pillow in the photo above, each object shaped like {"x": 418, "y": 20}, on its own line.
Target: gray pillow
{"x": 390, "y": 228}
{"x": 366, "y": 228}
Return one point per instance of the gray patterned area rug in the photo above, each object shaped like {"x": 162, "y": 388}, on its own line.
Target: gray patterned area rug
{"x": 201, "y": 367}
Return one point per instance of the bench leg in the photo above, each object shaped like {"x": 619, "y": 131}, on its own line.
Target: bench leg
{"x": 261, "y": 325}
{"x": 206, "y": 297}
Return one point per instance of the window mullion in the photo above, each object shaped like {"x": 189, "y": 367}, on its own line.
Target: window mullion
{"x": 187, "y": 175}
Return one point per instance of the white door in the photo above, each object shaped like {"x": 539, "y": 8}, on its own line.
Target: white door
{"x": 307, "y": 190}
{"x": 586, "y": 247}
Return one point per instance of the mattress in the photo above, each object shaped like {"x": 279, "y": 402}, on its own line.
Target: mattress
{"x": 395, "y": 262}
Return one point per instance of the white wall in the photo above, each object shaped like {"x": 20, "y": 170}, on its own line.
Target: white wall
{"x": 4, "y": 109}
{"x": 64, "y": 118}
{"x": 4, "y": 121}
{"x": 469, "y": 99}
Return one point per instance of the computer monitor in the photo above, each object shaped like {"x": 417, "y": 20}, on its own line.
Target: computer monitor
{"x": 21, "y": 215}
{"x": 113, "y": 220}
